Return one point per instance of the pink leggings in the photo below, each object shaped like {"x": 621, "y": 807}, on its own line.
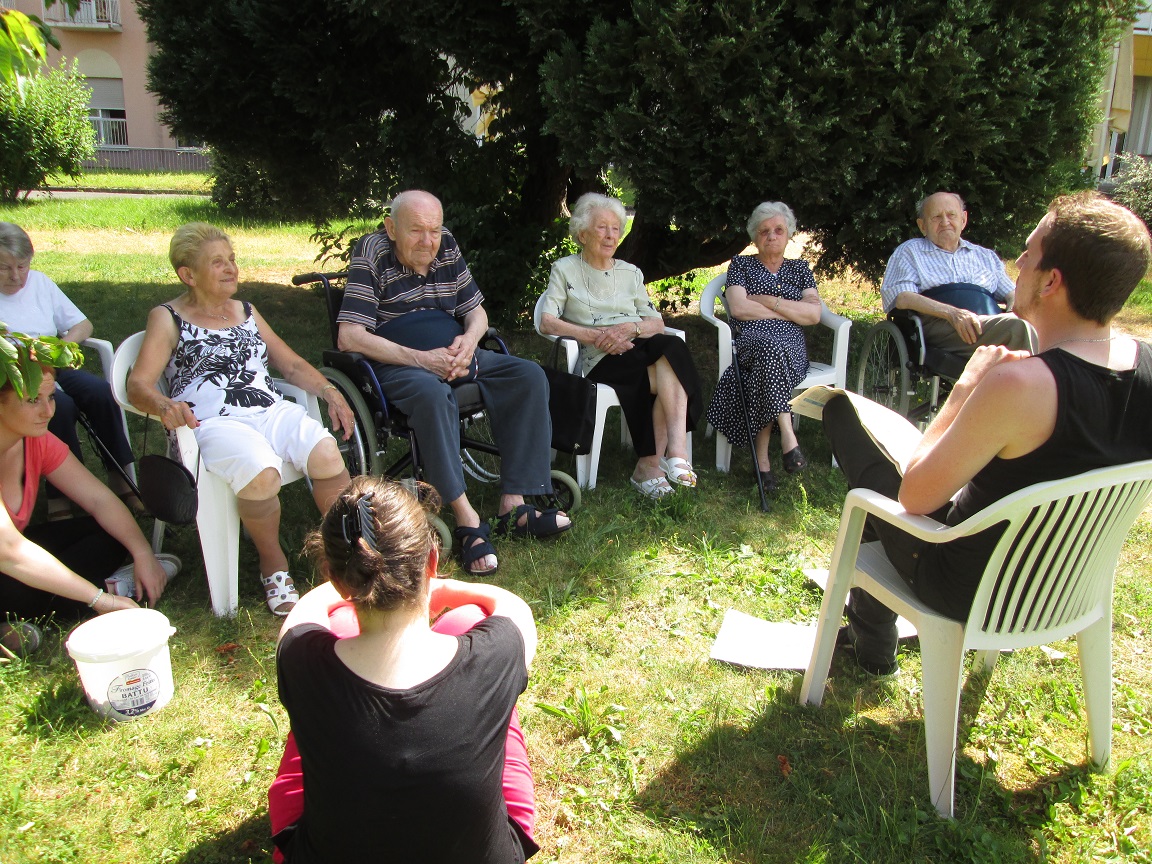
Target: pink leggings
{"x": 286, "y": 795}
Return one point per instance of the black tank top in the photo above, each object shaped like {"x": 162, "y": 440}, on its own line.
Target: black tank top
{"x": 1103, "y": 418}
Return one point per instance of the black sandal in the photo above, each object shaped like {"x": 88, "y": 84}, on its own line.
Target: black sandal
{"x": 474, "y": 544}
{"x": 794, "y": 461}
{"x": 769, "y": 481}
{"x": 545, "y": 523}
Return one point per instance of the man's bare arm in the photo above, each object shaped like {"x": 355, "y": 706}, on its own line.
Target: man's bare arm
{"x": 999, "y": 407}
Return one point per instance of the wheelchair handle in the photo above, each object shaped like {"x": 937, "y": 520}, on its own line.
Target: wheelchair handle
{"x": 309, "y": 278}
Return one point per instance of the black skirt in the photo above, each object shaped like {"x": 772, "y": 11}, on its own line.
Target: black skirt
{"x": 627, "y": 374}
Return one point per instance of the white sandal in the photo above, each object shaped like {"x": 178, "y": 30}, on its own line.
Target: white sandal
{"x": 280, "y": 591}
{"x": 653, "y": 489}
{"x": 678, "y": 471}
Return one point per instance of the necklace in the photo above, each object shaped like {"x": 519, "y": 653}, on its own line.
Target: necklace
{"x": 208, "y": 314}
{"x": 600, "y": 293}
{"x": 1066, "y": 341}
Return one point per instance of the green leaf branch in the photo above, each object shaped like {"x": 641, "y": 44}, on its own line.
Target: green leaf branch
{"x": 23, "y": 358}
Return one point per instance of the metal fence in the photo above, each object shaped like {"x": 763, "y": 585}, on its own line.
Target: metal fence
{"x": 110, "y": 131}
{"x": 150, "y": 159}
{"x": 90, "y": 13}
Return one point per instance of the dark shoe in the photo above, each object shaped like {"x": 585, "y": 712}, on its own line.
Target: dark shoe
{"x": 537, "y": 523}
{"x": 794, "y": 461}
{"x": 769, "y": 480}
{"x": 474, "y": 544}
{"x": 21, "y": 639}
{"x": 846, "y": 643}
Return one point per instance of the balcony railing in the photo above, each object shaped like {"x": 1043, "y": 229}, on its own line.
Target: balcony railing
{"x": 98, "y": 14}
{"x": 1143, "y": 23}
{"x": 110, "y": 132}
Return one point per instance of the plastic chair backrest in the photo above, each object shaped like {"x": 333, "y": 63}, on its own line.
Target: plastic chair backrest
{"x": 713, "y": 292}
{"x": 1052, "y": 568}
{"x": 122, "y": 362}
{"x": 569, "y": 346}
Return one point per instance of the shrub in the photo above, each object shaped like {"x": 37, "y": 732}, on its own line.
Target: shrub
{"x": 1134, "y": 185}
{"x": 43, "y": 130}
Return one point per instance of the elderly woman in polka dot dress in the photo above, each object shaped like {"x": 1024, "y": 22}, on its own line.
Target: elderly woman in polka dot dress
{"x": 771, "y": 298}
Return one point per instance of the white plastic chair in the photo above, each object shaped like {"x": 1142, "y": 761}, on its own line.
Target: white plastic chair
{"x": 1049, "y": 577}
{"x": 588, "y": 464}
{"x": 834, "y": 373}
{"x": 217, "y": 516}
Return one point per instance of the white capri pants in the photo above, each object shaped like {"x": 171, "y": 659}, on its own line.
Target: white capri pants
{"x": 239, "y": 448}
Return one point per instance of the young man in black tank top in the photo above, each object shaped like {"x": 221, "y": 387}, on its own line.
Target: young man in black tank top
{"x": 1013, "y": 419}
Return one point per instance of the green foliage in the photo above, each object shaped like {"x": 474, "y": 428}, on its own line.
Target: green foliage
{"x": 22, "y": 48}
{"x": 1134, "y": 185}
{"x": 850, "y": 110}
{"x": 246, "y": 189}
{"x": 676, "y": 293}
{"x": 23, "y": 357}
{"x": 24, "y": 40}
{"x": 44, "y": 129}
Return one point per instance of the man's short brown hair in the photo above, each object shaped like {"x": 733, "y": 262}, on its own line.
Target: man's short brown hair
{"x": 1100, "y": 248}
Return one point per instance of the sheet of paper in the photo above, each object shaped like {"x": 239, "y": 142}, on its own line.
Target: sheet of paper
{"x": 748, "y": 641}
{"x": 895, "y": 435}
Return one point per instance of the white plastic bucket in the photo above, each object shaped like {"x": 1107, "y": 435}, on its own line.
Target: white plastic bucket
{"x": 123, "y": 661}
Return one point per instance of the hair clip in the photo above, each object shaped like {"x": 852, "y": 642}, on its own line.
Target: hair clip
{"x": 360, "y": 522}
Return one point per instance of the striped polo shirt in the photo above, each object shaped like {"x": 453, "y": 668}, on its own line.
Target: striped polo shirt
{"x": 381, "y": 289}
{"x": 920, "y": 264}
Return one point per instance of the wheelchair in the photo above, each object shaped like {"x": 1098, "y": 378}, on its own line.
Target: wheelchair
{"x": 379, "y": 424}
{"x": 899, "y": 370}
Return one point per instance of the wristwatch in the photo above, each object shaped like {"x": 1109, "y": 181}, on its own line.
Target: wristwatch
{"x": 637, "y": 328}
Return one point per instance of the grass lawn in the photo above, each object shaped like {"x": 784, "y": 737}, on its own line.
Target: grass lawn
{"x": 658, "y": 754}
{"x": 121, "y": 180}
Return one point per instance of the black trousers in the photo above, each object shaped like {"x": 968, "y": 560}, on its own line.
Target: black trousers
{"x": 866, "y": 467}
{"x": 82, "y": 546}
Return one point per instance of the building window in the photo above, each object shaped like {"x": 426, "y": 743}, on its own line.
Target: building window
{"x": 111, "y": 125}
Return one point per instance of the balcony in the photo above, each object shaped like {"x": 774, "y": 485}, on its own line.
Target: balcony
{"x": 110, "y": 132}
{"x": 90, "y": 15}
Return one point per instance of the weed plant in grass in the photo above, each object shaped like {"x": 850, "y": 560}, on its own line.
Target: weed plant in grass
{"x": 647, "y": 751}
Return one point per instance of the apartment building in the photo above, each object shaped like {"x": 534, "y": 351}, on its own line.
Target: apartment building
{"x": 109, "y": 42}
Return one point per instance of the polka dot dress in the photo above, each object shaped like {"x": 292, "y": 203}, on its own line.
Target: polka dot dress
{"x": 772, "y": 354}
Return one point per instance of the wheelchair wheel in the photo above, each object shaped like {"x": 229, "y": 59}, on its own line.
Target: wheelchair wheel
{"x": 477, "y": 461}
{"x": 883, "y": 373}
{"x": 565, "y": 494}
{"x": 360, "y": 450}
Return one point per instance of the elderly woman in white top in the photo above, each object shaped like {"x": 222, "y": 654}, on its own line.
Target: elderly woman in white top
{"x": 31, "y": 303}
{"x": 601, "y": 302}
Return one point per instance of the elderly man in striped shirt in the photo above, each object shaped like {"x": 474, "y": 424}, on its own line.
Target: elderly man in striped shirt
{"x": 943, "y": 258}
{"x": 412, "y": 307}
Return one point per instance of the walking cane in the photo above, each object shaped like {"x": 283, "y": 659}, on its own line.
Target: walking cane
{"x": 106, "y": 454}
{"x": 744, "y": 410}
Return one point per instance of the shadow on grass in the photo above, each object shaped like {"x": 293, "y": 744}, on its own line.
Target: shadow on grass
{"x": 831, "y": 784}
{"x": 247, "y": 843}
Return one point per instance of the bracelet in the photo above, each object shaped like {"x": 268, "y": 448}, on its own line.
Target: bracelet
{"x": 328, "y": 387}
{"x": 777, "y": 306}
{"x": 92, "y": 602}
